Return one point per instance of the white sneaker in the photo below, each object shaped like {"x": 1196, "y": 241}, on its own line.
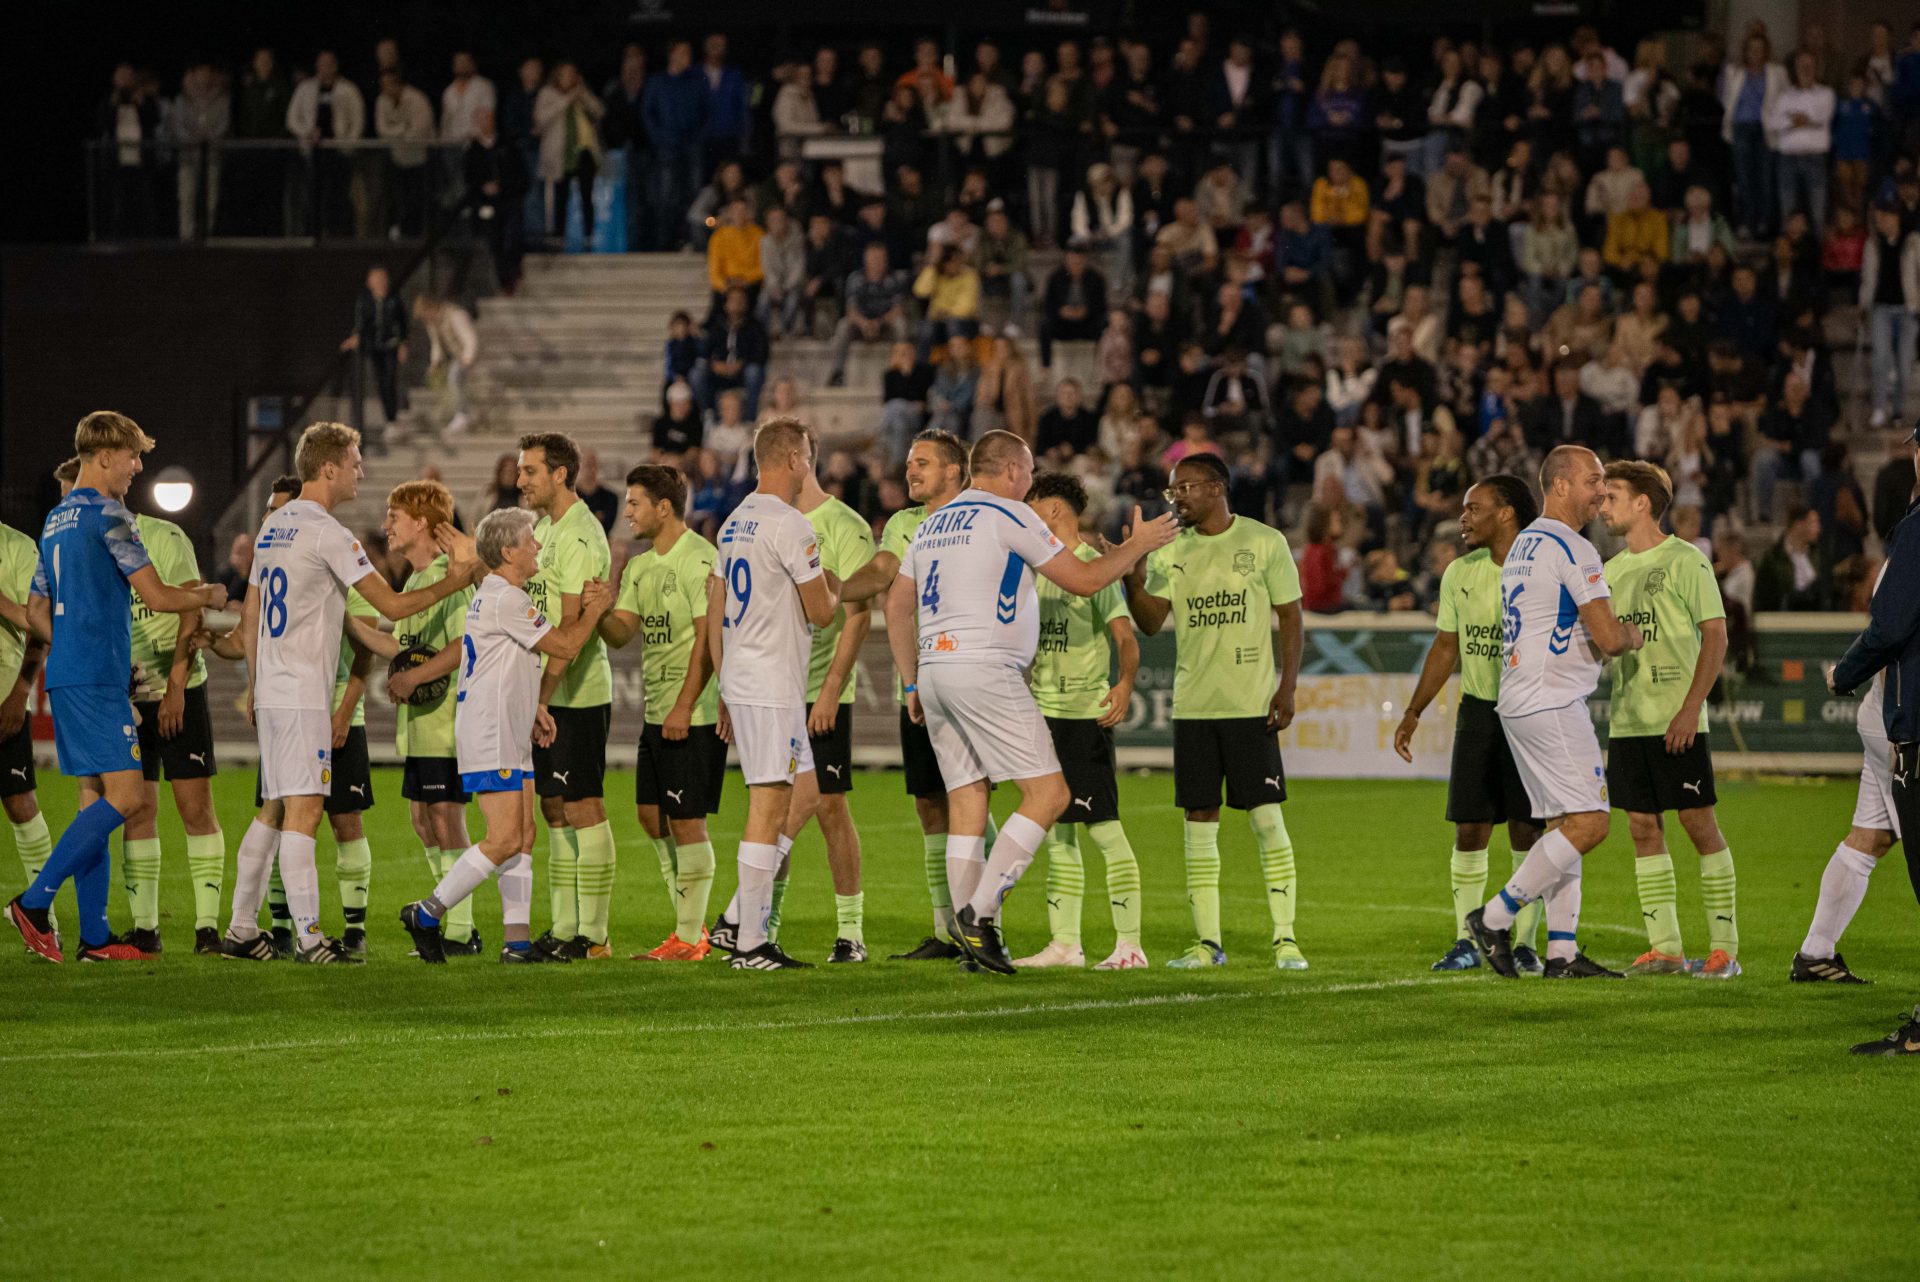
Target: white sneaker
{"x": 1054, "y": 954}
{"x": 1125, "y": 957}
{"x": 1879, "y": 419}
{"x": 457, "y": 426}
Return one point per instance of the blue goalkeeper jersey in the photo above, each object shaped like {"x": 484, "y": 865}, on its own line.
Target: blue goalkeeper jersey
{"x": 89, "y": 548}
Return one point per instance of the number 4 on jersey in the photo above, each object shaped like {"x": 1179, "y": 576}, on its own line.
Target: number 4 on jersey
{"x": 930, "y": 590}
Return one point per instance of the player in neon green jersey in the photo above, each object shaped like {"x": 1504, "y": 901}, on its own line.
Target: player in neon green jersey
{"x": 1221, "y": 584}
{"x": 21, "y": 654}
{"x": 1657, "y": 754}
{"x": 682, "y": 764}
{"x": 846, "y": 545}
{"x": 1484, "y": 787}
{"x": 576, "y": 703}
{"x": 1069, "y": 680}
{"x": 936, "y": 473}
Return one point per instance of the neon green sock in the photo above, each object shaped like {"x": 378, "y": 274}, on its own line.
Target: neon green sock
{"x": 1716, "y": 892}
{"x": 1276, "y": 865}
{"x": 207, "y": 865}
{"x": 773, "y": 917}
{"x": 1123, "y": 878}
{"x": 1526, "y": 922}
{"x": 140, "y": 873}
{"x": 278, "y": 914}
{"x": 1066, "y": 884}
{"x": 34, "y": 843}
{"x": 692, "y": 883}
{"x": 353, "y": 869}
{"x": 850, "y": 916}
{"x": 594, "y": 874}
{"x": 1468, "y": 872}
{"x": 457, "y": 925}
{"x": 1659, "y": 902}
{"x": 1201, "y": 842}
{"x": 563, "y": 880}
{"x": 934, "y": 846}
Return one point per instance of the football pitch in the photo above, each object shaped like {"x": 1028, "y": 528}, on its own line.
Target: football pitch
{"x": 194, "y": 1117}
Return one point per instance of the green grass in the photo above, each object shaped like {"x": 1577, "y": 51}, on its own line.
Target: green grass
{"x": 198, "y": 1118}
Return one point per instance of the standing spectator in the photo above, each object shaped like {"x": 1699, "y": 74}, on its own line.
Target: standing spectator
{"x": 201, "y": 118}
{"x": 1890, "y": 292}
{"x": 1236, "y": 107}
{"x": 1289, "y": 146}
{"x": 403, "y": 118}
{"x": 783, "y": 270}
{"x": 256, "y": 177}
{"x": 1075, "y": 306}
{"x": 1855, "y": 121}
{"x": 567, "y": 115}
{"x": 674, "y": 108}
{"x": 623, "y": 130}
{"x": 1790, "y": 575}
{"x": 496, "y": 190}
{"x": 1749, "y": 89}
{"x": 729, "y": 113}
{"x": 130, "y": 120}
{"x": 876, "y": 309}
{"x": 324, "y": 109}
{"x": 455, "y": 346}
{"x": 832, "y": 92}
{"x": 904, "y": 390}
{"x": 1000, "y": 257}
{"x": 1102, "y": 217}
{"x": 467, "y": 95}
{"x": 380, "y": 338}
{"x": 516, "y": 122}
{"x": 1338, "y": 118}
{"x": 979, "y": 120}
{"x": 796, "y": 114}
{"x": 1801, "y": 124}
{"x": 1599, "y": 110}
{"x": 1053, "y": 137}
{"x": 1792, "y": 434}
{"x": 736, "y": 354}
{"x": 1451, "y": 109}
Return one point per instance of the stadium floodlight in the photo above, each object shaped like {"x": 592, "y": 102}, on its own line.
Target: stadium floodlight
{"x": 173, "y": 488}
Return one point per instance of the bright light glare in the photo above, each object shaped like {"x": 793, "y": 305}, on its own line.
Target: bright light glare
{"x": 173, "y": 489}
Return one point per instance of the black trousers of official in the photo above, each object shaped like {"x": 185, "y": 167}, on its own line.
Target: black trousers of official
{"x": 1906, "y": 804}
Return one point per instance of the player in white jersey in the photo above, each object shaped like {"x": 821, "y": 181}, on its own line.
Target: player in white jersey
{"x": 1556, "y": 628}
{"x": 304, "y": 562}
{"x": 769, "y": 591}
{"x": 969, "y": 575}
{"x": 493, "y": 729}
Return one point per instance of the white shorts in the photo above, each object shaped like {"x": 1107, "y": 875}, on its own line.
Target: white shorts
{"x": 296, "y": 752}
{"x": 772, "y": 743}
{"x": 984, "y": 724}
{"x": 1874, "y": 807}
{"x": 1558, "y": 756}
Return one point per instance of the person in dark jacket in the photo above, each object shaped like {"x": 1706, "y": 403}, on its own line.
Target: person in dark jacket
{"x": 736, "y": 355}
{"x": 257, "y": 179}
{"x": 1891, "y": 642}
{"x": 729, "y": 112}
{"x": 496, "y": 180}
{"x": 380, "y": 337}
{"x": 1075, "y": 306}
{"x": 128, "y": 125}
{"x": 1790, "y": 576}
{"x": 673, "y": 110}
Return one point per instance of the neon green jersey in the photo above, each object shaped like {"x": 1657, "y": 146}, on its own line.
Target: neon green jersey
{"x": 1470, "y": 608}
{"x": 356, "y": 606}
{"x": 427, "y": 731}
{"x": 154, "y": 631}
{"x": 574, "y": 549}
{"x": 1073, "y": 660}
{"x": 1668, "y": 591}
{"x": 1223, "y": 589}
{"x": 846, "y": 544}
{"x": 19, "y": 556}
{"x": 895, "y": 537}
{"x": 668, "y": 594}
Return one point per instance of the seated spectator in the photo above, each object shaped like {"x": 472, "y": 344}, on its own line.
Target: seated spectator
{"x": 1451, "y": 191}
{"x": 1566, "y": 415}
{"x": 1661, "y": 431}
{"x": 876, "y": 301}
{"x": 1387, "y": 586}
{"x": 1609, "y": 189}
{"x": 1590, "y": 269}
{"x": 1194, "y": 439}
{"x": 1638, "y": 240}
{"x": 237, "y": 574}
{"x": 1303, "y": 258}
{"x": 1361, "y": 473}
{"x": 1340, "y": 204}
{"x": 1503, "y": 450}
{"x": 1726, "y": 458}
{"x": 677, "y": 432}
{"x": 904, "y": 390}
{"x": 1792, "y": 434}
{"x": 826, "y": 267}
{"x": 1737, "y": 378}
{"x": 703, "y": 215}
{"x": 951, "y": 289}
{"x": 1191, "y": 376}
{"x": 1697, "y": 230}
{"x": 1189, "y": 240}
{"x": 1156, "y": 350}
{"x": 1302, "y": 430}
{"x": 1119, "y": 420}
{"x": 1485, "y": 246}
{"x": 1836, "y": 495}
{"x": 783, "y": 270}
{"x": 685, "y": 349}
{"x": 1745, "y": 317}
{"x": 1682, "y": 172}
{"x": 1422, "y": 326}
{"x": 1386, "y": 290}
{"x": 783, "y": 401}
{"x": 955, "y": 231}
{"x": 1404, "y": 365}
{"x": 1234, "y": 320}
{"x": 1300, "y": 340}
{"x": 1000, "y": 258}
{"x": 1253, "y": 246}
{"x": 1473, "y": 322}
{"x": 955, "y": 387}
{"x": 733, "y": 253}
{"x": 1350, "y": 381}
{"x": 1402, "y": 201}
{"x": 736, "y": 353}
{"x": 1613, "y": 382}
{"x": 1844, "y": 251}
{"x": 1549, "y": 249}
{"x": 1323, "y": 562}
{"x": 1067, "y": 427}
{"x": 1235, "y": 402}
{"x": 1005, "y": 399}
{"x": 1580, "y": 330}
{"x": 1113, "y": 353}
{"x": 1222, "y": 198}
{"x": 1790, "y": 576}
{"x": 1075, "y": 305}
{"x": 1640, "y": 330}
{"x": 1102, "y": 218}
{"x": 729, "y": 440}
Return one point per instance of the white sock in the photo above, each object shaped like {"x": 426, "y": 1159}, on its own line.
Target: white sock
{"x": 783, "y": 844}
{"x": 754, "y": 899}
{"x": 516, "y": 891}
{"x": 1563, "y": 915}
{"x": 966, "y": 860}
{"x": 1012, "y": 853}
{"x": 1543, "y": 869}
{"x": 252, "y": 865}
{"x": 300, "y": 874}
{"x": 469, "y": 872}
{"x": 1842, "y": 888}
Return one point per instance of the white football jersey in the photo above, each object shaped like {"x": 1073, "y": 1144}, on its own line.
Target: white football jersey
{"x": 767, "y": 550}
{"x": 972, "y": 563}
{"x": 1547, "y": 658}
{"x": 499, "y": 679}
{"x": 303, "y": 563}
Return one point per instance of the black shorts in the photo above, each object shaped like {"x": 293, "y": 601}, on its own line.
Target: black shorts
{"x": 1085, "y": 749}
{"x": 432, "y": 780}
{"x": 916, "y": 755}
{"x": 352, "y": 787}
{"x": 16, "y": 761}
{"x": 683, "y": 777}
{"x": 1642, "y": 776}
{"x": 189, "y": 754}
{"x": 575, "y": 767}
{"x": 1242, "y": 752}
{"x": 833, "y": 753}
{"x": 1484, "y": 785}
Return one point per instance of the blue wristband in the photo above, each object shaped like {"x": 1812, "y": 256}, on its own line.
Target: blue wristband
{"x": 908, "y": 689}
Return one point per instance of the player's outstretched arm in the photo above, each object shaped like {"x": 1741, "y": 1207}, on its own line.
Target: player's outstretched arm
{"x": 617, "y": 627}
{"x": 871, "y": 579}
{"x": 401, "y": 685}
{"x": 162, "y": 599}
{"x": 564, "y": 642}
{"x": 820, "y": 598}
{"x": 1443, "y": 656}
{"x": 1611, "y": 635}
{"x": 1084, "y": 578}
{"x": 398, "y": 605}
{"x": 903, "y": 638}
{"x": 372, "y": 638}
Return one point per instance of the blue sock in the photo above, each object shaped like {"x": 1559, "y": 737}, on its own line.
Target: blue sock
{"x": 84, "y": 841}
{"x": 519, "y": 945}
{"x": 427, "y": 919}
{"x": 90, "y": 887}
